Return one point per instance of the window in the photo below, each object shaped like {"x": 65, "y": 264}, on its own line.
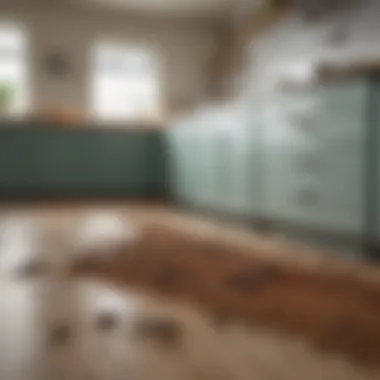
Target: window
{"x": 125, "y": 83}
{"x": 13, "y": 71}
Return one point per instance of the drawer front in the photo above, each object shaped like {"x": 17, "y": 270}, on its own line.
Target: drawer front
{"x": 331, "y": 189}
{"x": 327, "y": 158}
{"x": 334, "y": 111}
{"x": 317, "y": 178}
{"x": 281, "y": 144}
{"x": 256, "y": 172}
{"x": 239, "y": 137}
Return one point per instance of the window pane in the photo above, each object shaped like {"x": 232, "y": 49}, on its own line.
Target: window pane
{"x": 125, "y": 83}
{"x": 13, "y": 75}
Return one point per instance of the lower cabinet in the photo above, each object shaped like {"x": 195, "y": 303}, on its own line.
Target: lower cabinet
{"x": 301, "y": 160}
{"x": 68, "y": 163}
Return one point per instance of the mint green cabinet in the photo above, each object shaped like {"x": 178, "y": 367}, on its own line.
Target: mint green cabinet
{"x": 314, "y": 160}
{"x": 237, "y": 164}
{"x": 300, "y": 159}
{"x": 210, "y": 160}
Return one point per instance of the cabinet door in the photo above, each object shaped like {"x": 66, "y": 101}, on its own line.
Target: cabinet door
{"x": 191, "y": 162}
{"x": 340, "y": 139}
{"x": 328, "y": 161}
{"x": 196, "y": 156}
{"x": 223, "y": 182}
{"x": 239, "y": 201}
{"x": 375, "y": 144}
{"x": 120, "y": 163}
{"x": 255, "y": 165}
{"x": 281, "y": 140}
{"x": 188, "y": 169}
{"x": 72, "y": 165}
{"x": 207, "y": 155}
{"x": 179, "y": 163}
{"x": 19, "y": 154}
{"x": 173, "y": 144}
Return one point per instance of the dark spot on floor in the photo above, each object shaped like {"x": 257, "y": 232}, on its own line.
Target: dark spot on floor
{"x": 258, "y": 291}
{"x": 167, "y": 277}
{"x": 33, "y": 268}
{"x": 222, "y": 318}
{"x": 60, "y": 334}
{"x": 107, "y": 321}
{"x": 252, "y": 279}
{"x": 85, "y": 264}
{"x": 165, "y": 330}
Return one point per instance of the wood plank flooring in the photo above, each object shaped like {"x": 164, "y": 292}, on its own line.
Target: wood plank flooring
{"x": 91, "y": 292}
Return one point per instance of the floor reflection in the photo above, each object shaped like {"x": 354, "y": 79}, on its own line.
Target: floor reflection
{"x": 19, "y": 241}
{"x": 103, "y": 232}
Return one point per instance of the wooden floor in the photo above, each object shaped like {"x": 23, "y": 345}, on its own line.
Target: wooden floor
{"x": 132, "y": 292}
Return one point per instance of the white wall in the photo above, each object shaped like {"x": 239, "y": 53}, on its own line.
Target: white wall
{"x": 294, "y": 46}
{"x": 184, "y": 48}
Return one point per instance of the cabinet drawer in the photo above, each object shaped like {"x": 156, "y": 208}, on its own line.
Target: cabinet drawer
{"x": 324, "y": 208}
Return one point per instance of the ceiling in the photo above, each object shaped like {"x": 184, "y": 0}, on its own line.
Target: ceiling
{"x": 216, "y": 9}
{"x": 212, "y": 8}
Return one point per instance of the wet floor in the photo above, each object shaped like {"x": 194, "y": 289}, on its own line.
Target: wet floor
{"x": 54, "y": 326}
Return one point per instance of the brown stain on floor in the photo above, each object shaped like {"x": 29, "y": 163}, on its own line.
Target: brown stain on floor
{"x": 335, "y": 312}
